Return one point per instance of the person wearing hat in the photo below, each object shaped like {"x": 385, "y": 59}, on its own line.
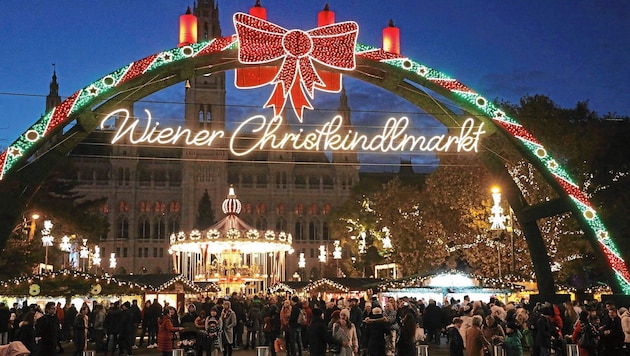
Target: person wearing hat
{"x": 544, "y": 331}
{"x": 127, "y": 332}
{"x": 376, "y": 329}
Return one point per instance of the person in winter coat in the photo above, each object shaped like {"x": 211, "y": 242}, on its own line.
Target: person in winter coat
{"x": 376, "y": 329}
{"x": 583, "y": 325}
{"x": 166, "y": 330}
{"x": 228, "y": 318}
{"x": 345, "y": 331}
{"x": 432, "y": 319}
{"x": 512, "y": 343}
{"x": 80, "y": 327}
{"x": 318, "y": 335}
{"x": 455, "y": 341}
{"x": 213, "y": 328}
{"x": 25, "y": 332}
{"x": 47, "y": 329}
{"x": 474, "y": 339}
{"x": 272, "y": 327}
{"x": 406, "y": 345}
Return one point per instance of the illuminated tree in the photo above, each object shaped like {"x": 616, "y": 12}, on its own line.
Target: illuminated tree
{"x": 205, "y": 213}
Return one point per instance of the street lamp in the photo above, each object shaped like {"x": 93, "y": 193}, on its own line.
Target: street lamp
{"x": 47, "y": 239}
{"x": 322, "y": 259}
{"x": 497, "y": 219}
{"x": 302, "y": 264}
{"x": 337, "y": 256}
{"x": 112, "y": 261}
{"x": 65, "y": 246}
{"x": 96, "y": 258}
{"x": 84, "y": 253}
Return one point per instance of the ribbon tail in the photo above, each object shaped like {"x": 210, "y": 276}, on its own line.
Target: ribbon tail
{"x": 277, "y": 100}
{"x": 299, "y": 100}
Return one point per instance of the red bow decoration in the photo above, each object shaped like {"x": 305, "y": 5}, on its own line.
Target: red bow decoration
{"x": 261, "y": 42}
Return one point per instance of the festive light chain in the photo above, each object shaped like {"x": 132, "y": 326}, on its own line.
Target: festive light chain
{"x": 325, "y": 281}
{"x": 72, "y": 273}
{"x": 281, "y": 286}
{"x": 18, "y": 150}
{"x": 528, "y": 140}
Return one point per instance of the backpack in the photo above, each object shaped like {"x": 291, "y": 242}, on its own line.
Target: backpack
{"x": 302, "y": 319}
{"x": 267, "y": 324}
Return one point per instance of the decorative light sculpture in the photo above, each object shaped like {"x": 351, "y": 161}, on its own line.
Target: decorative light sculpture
{"x": 325, "y": 17}
{"x": 47, "y": 239}
{"x": 65, "y": 244}
{"x": 96, "y": 258}
{"x": 302, "y": 261}
{"x": 391, "y": 38}
{"x": 112, "y": 260}
{"x": 497, "y": 219}
{"x": 258, "y": 11}
{"x": 187, "y": 29}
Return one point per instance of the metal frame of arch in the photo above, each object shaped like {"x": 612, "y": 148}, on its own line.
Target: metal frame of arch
{"x": 28, "y": 160}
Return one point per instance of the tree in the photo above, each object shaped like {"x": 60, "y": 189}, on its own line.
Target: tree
{"x": 205, "y": 213}
{"x": 57, "y": 200}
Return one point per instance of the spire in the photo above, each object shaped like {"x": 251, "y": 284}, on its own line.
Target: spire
{"x": 53, "y": 99}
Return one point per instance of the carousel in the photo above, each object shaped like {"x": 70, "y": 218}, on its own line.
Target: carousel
{"x": 231, "y": 253}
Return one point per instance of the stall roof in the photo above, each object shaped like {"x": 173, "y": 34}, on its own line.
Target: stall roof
{"x": 163, "y": 282}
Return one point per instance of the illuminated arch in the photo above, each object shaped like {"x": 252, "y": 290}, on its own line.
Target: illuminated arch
{"x": 22, "y": 167}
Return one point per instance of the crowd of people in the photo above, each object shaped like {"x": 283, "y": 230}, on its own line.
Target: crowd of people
{"x": 345, "y": 327}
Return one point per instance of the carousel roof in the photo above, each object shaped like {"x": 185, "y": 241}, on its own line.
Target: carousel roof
{"x": 231, "y": 233}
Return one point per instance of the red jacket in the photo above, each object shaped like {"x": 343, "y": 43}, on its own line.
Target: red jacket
{"x": 165, "y": 334}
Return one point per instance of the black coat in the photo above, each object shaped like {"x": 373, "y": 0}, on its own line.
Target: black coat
{"x": 455, "y": 342}
{"x": 374, "y": 335}
{"x": 319, "y": 337}
{"x": 47, "y": 328}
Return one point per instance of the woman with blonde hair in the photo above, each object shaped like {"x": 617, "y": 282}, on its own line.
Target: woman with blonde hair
{"x": 474, "y": 339}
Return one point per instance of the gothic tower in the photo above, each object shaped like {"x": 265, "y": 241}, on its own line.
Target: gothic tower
{"x": 346, "y": 162}
{"x": 53, "y": 99}
{"x": 204, "y": 168}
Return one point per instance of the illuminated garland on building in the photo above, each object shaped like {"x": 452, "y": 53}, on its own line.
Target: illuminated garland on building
{"x": 322, "y": 283}
{"x": 19, "y": 151}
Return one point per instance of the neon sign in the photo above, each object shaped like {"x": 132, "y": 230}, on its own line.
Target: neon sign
{"x": 328, "y": 137}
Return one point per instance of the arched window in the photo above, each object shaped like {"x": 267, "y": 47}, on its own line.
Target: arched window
{"x": 144, "y": 228}
{"x": 280, "y": 209}
{"x": 209, "y": 114}
{"x": 200, "y": 115}
{"x": 281, "y": 224}
{"x": 261, "y": 223}
{"x": 122, "y": 227}
{"x": 299, "y": 231}
{"x": 159, "y": 207}
{"x": 173, "y": 225}
{"x": 313, "y": 230}
{"x": 159, "y": 228}
{"x": 325, "y": 231}
{"x": 261, "y": 209}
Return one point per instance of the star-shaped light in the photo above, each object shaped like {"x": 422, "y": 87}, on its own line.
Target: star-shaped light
{"x": 92, "y": 90}
{"x": 15, "y": 151}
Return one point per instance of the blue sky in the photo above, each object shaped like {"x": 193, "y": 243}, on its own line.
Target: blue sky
{"x": 568, "y": 50}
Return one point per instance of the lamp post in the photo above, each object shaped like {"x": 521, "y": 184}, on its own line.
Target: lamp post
{"x": 497, "y": 219}
{"x": 302, "y": 264}
{"x": 84, "y": 253}
{"x": 112, "y": 261}
{"x": 65, "y": 246}
{"x": 337, "y": 256}
{"x": 96, "y": 257}
{"x": 322, "y": 260}
{"x": 33, "y": 226}
{"x": 47, "y": 240}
